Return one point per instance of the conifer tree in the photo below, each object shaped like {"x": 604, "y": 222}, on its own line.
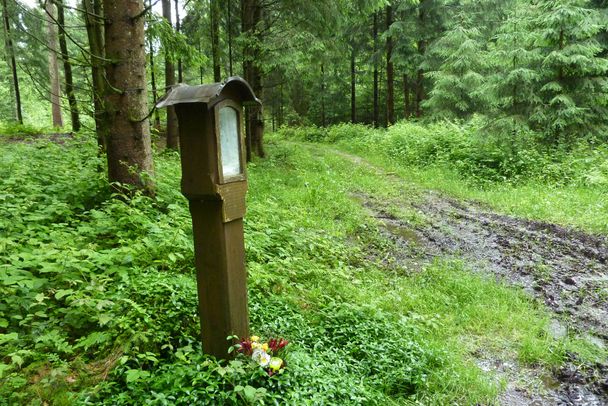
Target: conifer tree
{"x": 458, "y": 78}
{"x": 129, "y": 149}
{"x": 53, "y": 50}
{"x": 512, "y": 87}
{"x": 574, "y": 84}
{"x": 172, "y": 125}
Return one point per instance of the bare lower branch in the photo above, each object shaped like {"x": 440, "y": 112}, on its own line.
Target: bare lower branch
{"x": 144, "y": 11}
{"x": 82, "y": 49}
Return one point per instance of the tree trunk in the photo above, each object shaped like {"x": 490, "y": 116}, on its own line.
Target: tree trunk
{"x": 94, "y": 28}
{"x": 420, "y": 73}
{"x": 67, "y": 69}
{"x": 259, "y": 132}
{"x": 215, "y": 40}
{"x": 247, "y": 26}
{"x": 172, "y": 130}
{"x": 153, "y": 80}
{"x": 273, "y": 115}
{"x": 201, "y": 68}
{"x": 178, "y": 28}
{"x": 376, "y": 107}
{"x": 251, "y": 16}
{"x": 229, "y": 32}
{"x": 406, "y": 97}
{"x": 322, "y": 96}
{"x": 353, "y": 86}
{"x": 390, "y": 78}
{"x": 281, "y": 105}
{"x": 560, "y": 70}
{"x": 419, "y": 92}
{"x": 12, "y": 63}
{"x": 157, "y": 125}
{"x": 53, "y": 64}
{"x": 129, "y": 149}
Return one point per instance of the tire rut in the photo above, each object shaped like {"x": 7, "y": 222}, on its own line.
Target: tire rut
{"x": 565, "y": 269}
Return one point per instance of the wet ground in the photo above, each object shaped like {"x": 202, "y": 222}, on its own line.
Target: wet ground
{"x": 565, "y": 269}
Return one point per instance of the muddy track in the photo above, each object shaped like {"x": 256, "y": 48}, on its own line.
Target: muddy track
{"x": 565, "y": 269}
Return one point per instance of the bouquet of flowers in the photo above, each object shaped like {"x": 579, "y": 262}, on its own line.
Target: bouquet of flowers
{"x": 267, "y": 354}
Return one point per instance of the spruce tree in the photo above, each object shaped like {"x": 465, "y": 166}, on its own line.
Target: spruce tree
{"x": 458, "y": 78}
{"x": 574, "y": 85}
{"x": 512, "y": 87}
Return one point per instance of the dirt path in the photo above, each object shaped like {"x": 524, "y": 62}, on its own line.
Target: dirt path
{"x": 565, "y": 269}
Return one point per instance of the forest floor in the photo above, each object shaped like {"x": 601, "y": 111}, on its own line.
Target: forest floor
{"x": 390, "y": 292}
{"x": 562, "y": 268}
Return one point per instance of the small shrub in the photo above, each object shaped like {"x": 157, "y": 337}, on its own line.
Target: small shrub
{"x": 468, "y": 149}
{"x": 15, "y": 129}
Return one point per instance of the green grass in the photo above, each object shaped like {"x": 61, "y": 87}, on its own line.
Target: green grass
{"x": 98, "y": 297}
{"x": 575, "y": 206}
{"x": 520, "y": 175}
{"x": 16, "y": 130}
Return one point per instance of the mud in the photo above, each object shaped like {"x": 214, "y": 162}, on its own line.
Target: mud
{"x": 565, "y": 269}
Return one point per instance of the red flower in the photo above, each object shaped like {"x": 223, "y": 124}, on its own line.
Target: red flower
{"x": 277, "y": 344}
{"x": 245, "y": 347}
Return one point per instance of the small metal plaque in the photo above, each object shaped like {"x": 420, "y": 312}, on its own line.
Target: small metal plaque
{"x": 233, "y": 196}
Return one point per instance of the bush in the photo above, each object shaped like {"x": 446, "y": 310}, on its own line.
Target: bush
{"x": 14, "y": 128}
{"x": 98, "y": 295}
{"x": 309, "y": 134}
{"x": 475, "y": 155}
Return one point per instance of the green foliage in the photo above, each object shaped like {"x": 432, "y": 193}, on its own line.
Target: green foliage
{"x": 574, "y": 87}
{"x": 29, "y": 34}
{"x": 93, "y": 285}
{"x": 98, "y": 295}
{"x": 15, "y": 129}
{"x": 475, "y": 156}
{"x": 541, "y": 68}
{"x": 518, "y": 172}
{"x": 460, "y": 75}
{"x": 175, "y": 45}
{"x": 73, "y": 279}
{"x": 335, "y": 346}
{"x": 334, "y": 133}
{"x": 512, "y": 87}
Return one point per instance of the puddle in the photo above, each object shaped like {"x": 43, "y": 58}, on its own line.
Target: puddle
{"x": 566, "y": 269}
{"x": 403, "y": 232}
{"x": 563, "y": 268}
{"x": 557, "y": 330}
{"x": 550, "y": 382}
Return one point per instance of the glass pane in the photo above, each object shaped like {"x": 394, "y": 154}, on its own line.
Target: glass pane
{"x": 229, "y": 142}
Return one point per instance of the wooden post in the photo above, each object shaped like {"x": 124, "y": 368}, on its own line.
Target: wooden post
{"x": 214, "y": 181}
{"x": 221, "y": 277}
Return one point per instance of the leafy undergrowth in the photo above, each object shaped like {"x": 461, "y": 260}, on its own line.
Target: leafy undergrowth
{"x": 19, "y": 131}
{"x": 522, "y": 174}
{"x": 98, "y": 295}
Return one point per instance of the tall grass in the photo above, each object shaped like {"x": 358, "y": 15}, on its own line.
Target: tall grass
{"x": 520, "y": 174}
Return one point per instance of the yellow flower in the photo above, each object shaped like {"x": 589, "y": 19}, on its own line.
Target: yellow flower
{"x": 275, "y": 363}
{"x": 256, "y": 346}
{"x": 255, "y": 338}
{"x": 265, "y": 347}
